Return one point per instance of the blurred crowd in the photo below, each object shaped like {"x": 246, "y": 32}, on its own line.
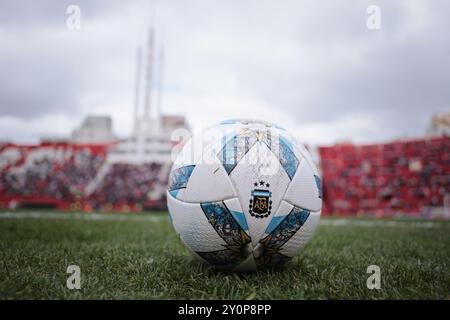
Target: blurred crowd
{"x": 66, "y": 177}
{"x": 407, "y": 177}
{"x": 49, "y": 173}
{"x": 131, "y": 186}
{"x": 384, "y": 179}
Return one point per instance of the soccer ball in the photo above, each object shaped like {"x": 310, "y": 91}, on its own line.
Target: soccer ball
{"x": 244, "y": 195}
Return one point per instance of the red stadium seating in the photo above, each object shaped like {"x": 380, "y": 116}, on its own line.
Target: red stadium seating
{"x": 400, "y": 177}
{"x": 130, "y": 187}
{"x": 58, "y": 175}
{"x": 52, "y": 175}
{"x": 407, "y": 178}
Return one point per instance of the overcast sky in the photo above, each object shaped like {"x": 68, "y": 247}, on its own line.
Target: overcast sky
{"x": 312, "y": 67}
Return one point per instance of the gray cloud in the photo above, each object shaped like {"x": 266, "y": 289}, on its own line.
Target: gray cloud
{"x": 33, "y": 85}
{"x": 40, "y": 73}
{"x": 28, "y": 14}
{"x": 314, "y": 66}
{"x": 397, "y": 76}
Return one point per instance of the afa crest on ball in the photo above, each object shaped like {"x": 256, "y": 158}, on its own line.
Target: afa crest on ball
{"x": 260, "y": 203}
{"x": 244, "y": 195}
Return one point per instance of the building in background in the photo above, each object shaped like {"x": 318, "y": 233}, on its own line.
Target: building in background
{"x": 94, "y": 130}
{"x": 151, "y": 137}
{"x": 440, "y": 124}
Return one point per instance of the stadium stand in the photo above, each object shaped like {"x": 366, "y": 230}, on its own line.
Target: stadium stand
{"x": 407, "y": 178}
{"x": 59, "y": 176}
{"x": 130, "y": 187}
{"x": 52, "y": 175}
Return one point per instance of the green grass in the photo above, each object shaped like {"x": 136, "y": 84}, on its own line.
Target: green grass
{"x": 140, "y": 257}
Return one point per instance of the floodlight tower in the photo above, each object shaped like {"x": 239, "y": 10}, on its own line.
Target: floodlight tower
{"x": 137, "y": 88}
{"x": 160, "y": 71}
{"x": 149, "y": 73}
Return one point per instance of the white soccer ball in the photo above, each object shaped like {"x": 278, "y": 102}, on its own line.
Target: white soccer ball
{"x": 244, "y": 195}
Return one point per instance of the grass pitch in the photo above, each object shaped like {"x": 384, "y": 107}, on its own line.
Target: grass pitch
{"x": 140, "y": 257}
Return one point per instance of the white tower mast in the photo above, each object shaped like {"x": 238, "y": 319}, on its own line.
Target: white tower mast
{"x": 149, "y": 74}
{"x": 160, "y": 87}
{"x": 137, "y": 88}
